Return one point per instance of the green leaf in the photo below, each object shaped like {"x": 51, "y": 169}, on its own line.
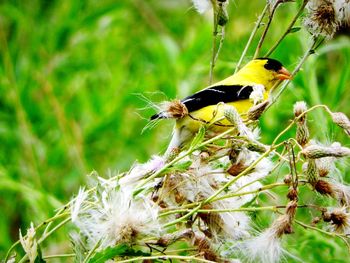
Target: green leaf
{"x": 198, "y": 138}
{"x": 294, "y": 29}
{"x": 121, "y": 250}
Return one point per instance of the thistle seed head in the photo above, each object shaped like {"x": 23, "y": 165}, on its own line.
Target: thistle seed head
{"x": 315, "y": 151}
{"x": 342, "y": 121}
{"x": 321, "y": 18}
{"x": 299, "y": 108}
{"x": 256, "y": 111}
{"x": 324, "y": 188}
{"x": 175, "y": 109}
{"x": 29, "y": 243}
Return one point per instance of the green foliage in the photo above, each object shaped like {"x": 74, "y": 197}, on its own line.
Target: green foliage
{"x": 70, "y": 73}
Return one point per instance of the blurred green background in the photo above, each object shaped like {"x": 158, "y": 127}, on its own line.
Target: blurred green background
{"x": 74, "y": 76}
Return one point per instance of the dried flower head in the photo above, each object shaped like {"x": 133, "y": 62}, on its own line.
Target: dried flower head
{"x": 315, "y": 151}
{"x": 174, "y": 109}
{"x": 256, "y": 111}
{"x": 29, "y": 243}
{"x": 321, "y": 18}
{"x": 341, "y": 192}
{"x": 257, "y": 95}
{"x": 115, "y": 217}
{"x": 323, "y": 187}
{"x": 204, "y": 247}
{"x": 233, "y": 116}
{"x": 299, "y": 108}
{"x": 340, "y": 220}
{"x": 325, "y": 166}
{"x": 341, "y": 120}
{"x": 342, "y": 11}
{"x": 302, "y": 133}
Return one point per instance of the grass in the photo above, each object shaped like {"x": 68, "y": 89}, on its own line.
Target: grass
{"x": 70, "y": 77}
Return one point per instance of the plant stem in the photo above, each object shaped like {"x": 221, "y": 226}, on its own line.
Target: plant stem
{"x": 332, "y": 234}
{"x": 261, "y": 189}
{"x": 59, "y": 256}
{"x": 251, "y": 37}
{"x": 308, "y": 52}
{"x": 92, "y": 251}
{"x": 300, "y": 11}
{"x": 215, "y": 33}
{"x": 181, "y": 258}
{"x": 241, "y": 209}
{"x": 216, "y": 53}
{"x": 262, "y": 38}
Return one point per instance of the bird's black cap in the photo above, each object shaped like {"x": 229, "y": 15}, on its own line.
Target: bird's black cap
{"x": 272, "y": 64}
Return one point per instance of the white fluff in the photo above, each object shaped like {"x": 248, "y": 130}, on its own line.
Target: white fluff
{"x": 202, "y": 5}
{"x": 77, "y": 203}
{"x": 264, "y": 248}
{"x": 116, "y": 217}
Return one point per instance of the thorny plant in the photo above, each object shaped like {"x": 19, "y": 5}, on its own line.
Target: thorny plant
{"x": 196, "y": 204}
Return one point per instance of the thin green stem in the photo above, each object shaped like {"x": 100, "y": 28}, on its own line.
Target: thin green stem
{"x": 216, "y": 53}
{"x": 54, "y": 230}
{"x": 290, "y": 26}
{"x": 332, "y": 234}
{"x": 162, "y": 257}
{"x": 251, "y": 37}
{"x": 215, "y": 33}
{"x": 261, "y": 189}
{"x": 308, "y": 52}
{"x": 242, "y": 209}
{"x": 191, "y": 212}
{"x": 92, "y": 251}
{"x": 262, "y": 38}
{"x": 59, "y": 256}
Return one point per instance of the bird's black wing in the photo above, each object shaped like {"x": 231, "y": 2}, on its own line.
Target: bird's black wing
{"x": 215, "y": 95}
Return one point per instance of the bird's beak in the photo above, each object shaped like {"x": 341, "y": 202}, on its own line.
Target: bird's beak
{"x": 283, "y": 74}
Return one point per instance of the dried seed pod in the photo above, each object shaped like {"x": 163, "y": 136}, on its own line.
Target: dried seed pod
{"x": 292, "y": 194}
{"x": 236, "y": 169}
{"x": 324, "y": 188}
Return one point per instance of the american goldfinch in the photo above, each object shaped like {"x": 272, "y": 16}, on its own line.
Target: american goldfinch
{"x": 207, "y": 105}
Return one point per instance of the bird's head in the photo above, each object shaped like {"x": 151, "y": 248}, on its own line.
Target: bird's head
{"x": 265, "y": 71}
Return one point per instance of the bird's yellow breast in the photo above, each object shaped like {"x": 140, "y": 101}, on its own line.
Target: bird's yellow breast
{"x": 214, "y": 114}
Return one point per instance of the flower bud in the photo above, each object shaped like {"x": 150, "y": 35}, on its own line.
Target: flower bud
{"x": 311, "y": 172}
{"x": 318, "y": 151}
{"x": 302, "y": 133}
{"x": 341, "y": 120}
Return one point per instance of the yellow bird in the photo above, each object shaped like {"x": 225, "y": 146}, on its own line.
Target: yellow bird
{"x": 207, "y": 105}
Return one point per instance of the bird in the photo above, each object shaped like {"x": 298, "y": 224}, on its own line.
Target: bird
{"x": 207, "y": 105}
